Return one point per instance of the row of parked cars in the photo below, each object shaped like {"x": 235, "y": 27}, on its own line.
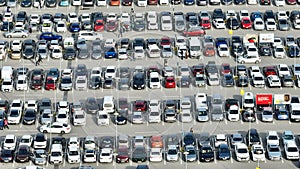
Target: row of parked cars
{"x": 187, "y": 146}
{"x": 140, "y": 3}
{"x": 190, "y": 24}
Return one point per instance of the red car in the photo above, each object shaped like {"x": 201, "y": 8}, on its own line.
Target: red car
{"x": 170, "y": 82}
{"x": 225, "y": 68}
{"x": 50, "y": 84}
{"x": 140, "y": 105}
{"x": 99, "y": 25}
{"x": 194, "y": 31}
{"x": 198, "y": 69}
{"x": 111, "y": 26}
{"x": 165, "y": 41}
{"x": 122, "y": 155}
{"x": 205, "y": 23}
{"x": 291, "y": 2}
{"x": 246, "y": 23}
{"x": 269, "y": 70}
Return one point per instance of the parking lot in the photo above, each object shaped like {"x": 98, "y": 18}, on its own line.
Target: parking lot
{"x": 148, "y": 129}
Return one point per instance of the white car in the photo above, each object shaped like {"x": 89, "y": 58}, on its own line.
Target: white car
{"x": 137, "y": 117}
{"x": 10, "y": 142}
{"x": 111, "y": 16}
{"x": 73, "y": 155}
{"x": 35, "y": 18}
{"x": 155, "y": 155}
{"x": 89, "y": 156}
{"x": 258, "y": 80}
{"x": 296, "y": 23}
{"x": 73, "y": 18}
{"x": 96, "y": 71}
{"x": 288, "y": 136}
{"x": 61, "y": 27}
{"x": 152, "y": 20}
{"x": 40, "y": 141}
{"x": 166, "y": 23}
{"x": 272, "y": 138}
{"x": 56, "y": 154}
{"x": 282, "y": 15}
{"x": 220, "y": 139}
{"x": 123, "y": 54}
{"x": 26, "y": 140}
{"x": 252, "y": 50}
{"x": 291, "y": 151}
{"x": 283, "y": 69}
{"x": 110, "y": 72}
{"x": 271, "y": 24}
{"x": 230, "y": 14}
{"x": 63, "y": 105}
{"x": 223, "y": 50}
{"x": 279, "y": 52}
{"x": 85, "y": 17}
{"x": 154, "y": 80}
{"x": 14, "y": 116}
{"x": 106, "y": 155}
{"x": 7, "y": 85}
{"x": 81, "y": 83}
{"x": 62, "y": 116}
{"x": 79, "y": 117}
{"x": 252, "y": 2}
{"x": 142, "y": 3}
{"x": 16, "y": 104}
{"x": 233, "y": 113}
{"x": 219, "y": 23}
{"x": 47, "y": 26}
{"x": 185, "y": 103}
{"x": 186, "y": 116}
{"x": 273, "y": 81}
{"x": 74, "y": 142}
{"x": 56, "y": 127}
{"x": 244, "y": 13}
{"x": 279, "y": 3}
{"x": 22, "y": 83}
{"x": 258, "y": 153}
{"x": 102, "y": 118}
{"x": 89, "y": 142}
{"x": 241, "y": 152}
{"x": 154, "y": 105}
{"x": 258, "y": 24}
{"x": 172, "y": 153}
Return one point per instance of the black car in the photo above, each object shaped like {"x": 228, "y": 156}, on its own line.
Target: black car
{"x": 243, "y": 81}
{"x": 252, "y": 137}
{"x": 69, "y": 53}
{"x": 269, "y": 14}
{"x": 138, "y": 42}
{"x": 239, "y": 2}
{"x": 185, "y": 82}
{"x": 29, "y": 116}
{"x": 106, "y": 142}
{"x": 206, "y": 153}
{"x": 229, "y": 102}
{"x": 228, "y": 80}
{"x": 7, "y": 26}
{"x": 188, "y": 139}
{"x": 108, "y": 83}
{"x": 45, "y": 103}
{"x": 139, "y": 154}
{"x": 248, "y": 115}
{"x": 121, "y": 118}
{"x": 26, "y": 3}
{"x": 91, "y": 105}
{"x": 95, "y": 82}
{"x": 2, "y": 2}
{"x": 139, "y": 81}
{"x": 51, "y": 3}
{"x": 226, "y": 2}
{"x": 224, "y": 152}
{"x": 218, "y": 13}
{"x": 23, "y": 154}
{"x": 7, "y": 156}
{"x": 97, "y": 16}
{"x": 28, "y": 52}
{"x": 265, "y": 50}
{"x": 232, "y": 23}
{"x": 127, "y": 2}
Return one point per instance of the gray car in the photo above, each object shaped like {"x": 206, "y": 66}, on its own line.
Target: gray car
{"x": 66, "y": 83}
{"x": 283, "y": 25}
{"x": 204, "y": 139}
{"x": 185, "y": 82}
{"x": 39, "y": 157}
{"x": 287, "y": 81}
{"x": 45, "y": 103}
{"x": 139, "y": 25}
{"x": 191, "y": 153}
{"x": 83, "y": 53}
{"x": 96, "y": 52}
{"x": 42, "y": 52}
{"x": 91, "y": 105}
{"x": 47, "y": 116}
{"x": 124, "y": 83}
{"x": 124, "y": 72}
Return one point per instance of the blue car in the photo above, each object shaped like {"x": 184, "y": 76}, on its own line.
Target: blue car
{"x": 64, "y": 3}
{"x": 110, "y": 52}
{"x": 282, "y": 114}
{"x": 255, "y": 15}
{"x": 224, "y": 152}
{"x": 189, "y": 2}
{"x": 48, "y": 36}
{"x": 74, "y": 27}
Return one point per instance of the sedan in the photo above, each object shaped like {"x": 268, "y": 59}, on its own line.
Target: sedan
{"x": 170, "y": 82}
{"x": 139, "y": 154}
{"x": 56, "y": 127}
{"x": 224, "y": 152}
{"x": 206, "y": 153}
{"x": 17, "y": 34}
{"x": 274, "y": 152}
{"x": 29, "y": 116}
{"x": 246, "y": 23}
{"x": 194, "y": 31}
{"x": 111, "y": 25}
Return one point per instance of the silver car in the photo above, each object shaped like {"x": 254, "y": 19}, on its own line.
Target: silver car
{"x": 81, "y": 83}
{"x": 39, "y": 157}
{"x": 16, "y": 34}
{"x": 283, "y": 25}
{"x": 83, "y": 53}
{"x": 124, "y": 83}
{"x": 66, "y": 83}
{"x": 274, "y": 152}
{"x": 47, "y": 116}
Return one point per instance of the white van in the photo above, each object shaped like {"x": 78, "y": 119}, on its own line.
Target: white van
{"x": 153, "y": 51}
{"x": 248, "y": 100}
{"x": 154, "y": 80}
{"x": 6, "y": 72}
{"x": 194, "y": 47}
{"x": 108, "y": 104}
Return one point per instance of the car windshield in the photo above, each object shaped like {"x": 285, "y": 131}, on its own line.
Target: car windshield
{"x": 242, "y": 150}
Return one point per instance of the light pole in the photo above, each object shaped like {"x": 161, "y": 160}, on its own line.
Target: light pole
{"x": 116, "y": 133}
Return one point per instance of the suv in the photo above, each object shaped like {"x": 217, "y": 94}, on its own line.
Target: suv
{"x": 253, "y": 137}
{"x": 7, "y": 85}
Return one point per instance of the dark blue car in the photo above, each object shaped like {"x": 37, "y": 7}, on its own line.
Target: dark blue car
{"x": 224, "y": 152}
{"x": 50, "y": 36}
{"x": 74, "y": 27}
{"x": 255, "y": 15}
{"x": 189, "y": 2}
{"x": 294, "y": 51}
{"x": 189, "y": 139}
{"x": 110, "y": 52}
